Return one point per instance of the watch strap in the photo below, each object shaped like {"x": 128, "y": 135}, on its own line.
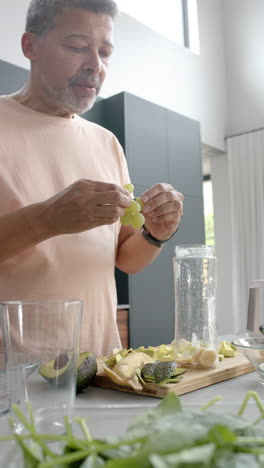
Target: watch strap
{"x": 153, "y": 240}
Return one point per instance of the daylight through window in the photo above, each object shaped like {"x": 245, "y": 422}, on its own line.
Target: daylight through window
{"x": 175, "y": 19}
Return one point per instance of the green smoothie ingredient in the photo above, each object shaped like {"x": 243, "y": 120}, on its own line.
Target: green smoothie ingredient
{"x": 167, "y": 436}
{"x": 133, "y": 215}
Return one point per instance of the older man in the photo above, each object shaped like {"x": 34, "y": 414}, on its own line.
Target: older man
{"x": 61, "y": 177}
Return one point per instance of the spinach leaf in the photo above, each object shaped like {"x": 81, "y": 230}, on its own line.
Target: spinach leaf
{"x": 94, "y": 461}
{"x": 238, "y": 460}
{"x": 198, "y": 457}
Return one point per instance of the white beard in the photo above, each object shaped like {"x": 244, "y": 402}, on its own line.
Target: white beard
{"x": 64, "y": 99}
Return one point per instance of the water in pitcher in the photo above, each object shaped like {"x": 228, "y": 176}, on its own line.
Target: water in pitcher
{"x": 195, "y": 294}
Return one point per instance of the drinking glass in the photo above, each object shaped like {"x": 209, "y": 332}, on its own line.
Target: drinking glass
{"x": 40, "y": 351}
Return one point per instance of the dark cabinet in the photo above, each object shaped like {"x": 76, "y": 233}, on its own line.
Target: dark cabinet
{"x": 160, "y": 146}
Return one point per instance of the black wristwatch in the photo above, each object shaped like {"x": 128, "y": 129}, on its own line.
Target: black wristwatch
{"x": 151, "y": 239}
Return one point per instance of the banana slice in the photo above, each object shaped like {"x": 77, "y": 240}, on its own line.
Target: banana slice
{"x": 184, "y": 360}
{"x": 208, "y": 357}
{"x": 196, "y": 355}
{"x": 183, "y": 345}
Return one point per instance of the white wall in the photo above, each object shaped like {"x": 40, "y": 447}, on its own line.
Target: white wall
{"x": 152, "y": 67}
{"x": 12, "y": 26}
{"x": 244, "y": 36}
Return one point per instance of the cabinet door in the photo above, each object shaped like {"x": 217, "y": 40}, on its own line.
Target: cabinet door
{"x": 145, "y": 141}
{"x": 151, "y": 292}
{"x": 184, "y": 154}
{"x": 191, "y": 229}
{"x": 12, "y": 77}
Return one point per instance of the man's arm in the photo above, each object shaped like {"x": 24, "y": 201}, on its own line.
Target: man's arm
{"x": 134, "y": 252}
{"x": 21, "y": 230}
{"x": 82, "y": 206}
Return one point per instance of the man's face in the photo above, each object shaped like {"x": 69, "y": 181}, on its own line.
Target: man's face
{"x": 72, "y": 59}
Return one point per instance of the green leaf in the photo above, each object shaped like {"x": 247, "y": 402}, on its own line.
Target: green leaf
{"x": 132, "y": 462}
{"x": 221, "y": 436}
{"x": 94, "y": 461}
{"x": 237, "y": 460}
{"x": 169, "y": 406}
{"x": 192, "y": 457}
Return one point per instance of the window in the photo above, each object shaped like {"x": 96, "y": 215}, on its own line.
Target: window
{"x": 191, "y": 25}
{"x": 177, "y": 20}
{"x": 208, "y": 211}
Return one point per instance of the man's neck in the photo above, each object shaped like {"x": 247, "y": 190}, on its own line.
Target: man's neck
{"x": 34, "y": 101}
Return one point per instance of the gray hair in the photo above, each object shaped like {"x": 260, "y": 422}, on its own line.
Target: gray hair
{"x": 42, "y": 13}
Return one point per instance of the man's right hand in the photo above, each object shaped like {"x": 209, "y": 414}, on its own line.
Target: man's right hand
{"x": 83, "y": 205}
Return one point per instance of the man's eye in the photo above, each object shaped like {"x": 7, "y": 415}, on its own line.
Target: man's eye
{"x": 77, "y": 49}
{"x": 105, "y": 53}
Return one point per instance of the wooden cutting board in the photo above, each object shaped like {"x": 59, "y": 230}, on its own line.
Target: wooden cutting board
{"x": 193, "y": 379}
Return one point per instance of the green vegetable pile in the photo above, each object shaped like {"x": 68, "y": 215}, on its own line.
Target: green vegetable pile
{"x": 167, "y": 436}
{"x": 161, "y": 372}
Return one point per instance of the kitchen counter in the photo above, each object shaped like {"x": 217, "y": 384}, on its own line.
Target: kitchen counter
{"x": 107, "y": 407}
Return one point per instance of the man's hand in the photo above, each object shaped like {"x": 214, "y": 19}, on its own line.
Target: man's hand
{"x": 163, "y": 208}
{"x": 84, "y": 205}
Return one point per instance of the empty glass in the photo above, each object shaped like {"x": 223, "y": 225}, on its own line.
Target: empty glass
{"x": 40, "y": 351}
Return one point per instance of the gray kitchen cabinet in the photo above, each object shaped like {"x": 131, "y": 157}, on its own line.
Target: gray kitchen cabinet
{"x": 160, "y": 146}
{"x": 12, "y": 77}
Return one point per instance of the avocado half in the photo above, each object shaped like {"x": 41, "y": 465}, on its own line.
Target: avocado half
{"x": 58, "y": 370}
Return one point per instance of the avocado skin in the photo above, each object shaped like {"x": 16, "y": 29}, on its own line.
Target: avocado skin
{"x": 87, "y": 368}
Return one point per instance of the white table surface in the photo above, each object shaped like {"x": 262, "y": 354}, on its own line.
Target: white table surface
{"x": 121, "y": 405}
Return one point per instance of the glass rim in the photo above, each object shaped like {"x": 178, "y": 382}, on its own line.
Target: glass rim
{"x": 193, "y": 246}
{"x": 253, "y": 346}
{"x": 52, "y": 302}
{"x": 185, "y": 250}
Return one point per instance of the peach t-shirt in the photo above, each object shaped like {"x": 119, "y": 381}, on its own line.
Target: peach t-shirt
{"x": 41, "y": 155}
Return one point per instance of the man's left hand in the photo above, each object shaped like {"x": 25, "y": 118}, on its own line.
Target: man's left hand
{"x": 163, "y": 209}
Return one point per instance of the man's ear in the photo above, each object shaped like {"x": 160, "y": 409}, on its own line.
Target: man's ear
{"x": 29, "y": 45}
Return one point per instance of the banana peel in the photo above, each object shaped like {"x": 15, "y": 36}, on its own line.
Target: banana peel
{"x": 125, "y": 371}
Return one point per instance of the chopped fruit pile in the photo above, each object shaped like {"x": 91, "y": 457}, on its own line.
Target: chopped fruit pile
{"x": 160, "y": 365}
{"x": 137, "y": 367}
{"x": 226, "y": 349}
{"x": 188, "y": 354}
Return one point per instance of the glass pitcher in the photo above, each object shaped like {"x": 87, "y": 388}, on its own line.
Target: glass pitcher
{"x": 195, "y": 296}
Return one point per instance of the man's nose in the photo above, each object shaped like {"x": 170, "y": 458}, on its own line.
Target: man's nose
{"x": 93, "y": 62}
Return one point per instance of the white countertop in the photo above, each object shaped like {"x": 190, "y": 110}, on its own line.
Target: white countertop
{"x": 112, "y": 410}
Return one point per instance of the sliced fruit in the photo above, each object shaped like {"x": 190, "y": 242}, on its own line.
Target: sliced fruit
{"x": 196, "y": 355}
{"x": 208, "y": 357}
{"x": 58, "y": 370}
{"x": 226, "y": 349}
{"x": 184, "y": 359}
